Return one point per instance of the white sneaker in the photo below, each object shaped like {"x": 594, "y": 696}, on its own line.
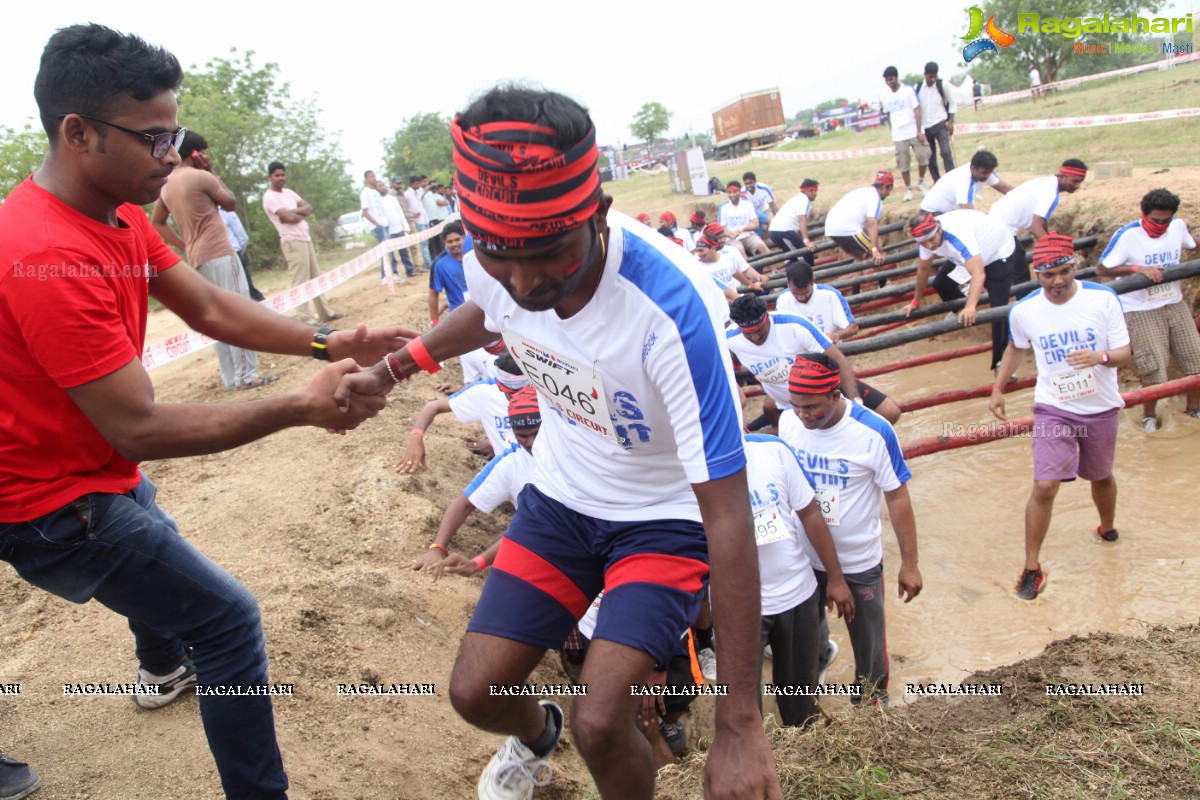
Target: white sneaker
{"x": 831, "y": 648}
{"x": 907, "y": 195}
{"x": 708, "y": 663}
{"x": 515, "y": 771}
{"x": 169, "y": 686}
{"x": 383, "y": 281}
{"x": 1149, "y": 424}
{"x": 767, "y": 654}
{"x": 921, "y": 186}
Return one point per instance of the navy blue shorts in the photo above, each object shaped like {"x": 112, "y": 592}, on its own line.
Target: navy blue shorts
{"x": 554, "y": 561}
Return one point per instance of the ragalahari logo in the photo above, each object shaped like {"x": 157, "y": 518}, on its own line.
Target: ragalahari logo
{"x": 995, "y": 36}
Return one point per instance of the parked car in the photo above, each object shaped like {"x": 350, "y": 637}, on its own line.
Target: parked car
{"x": 350, "y": 226}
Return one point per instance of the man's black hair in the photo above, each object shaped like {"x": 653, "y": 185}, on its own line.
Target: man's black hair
{"x": 91, "y": 69}
{"x": 1074, "y": 162}
{"x": 799, "y": 274}
{"x": 1160, "y": 200}
{"x": 747, "y": 310}
{"x": 891, "y": 72}
{"x": 192, "y": 142}
{"x": 666, "y": 231}
{"x": 931, "y": 68}
{"x": 452, "y": 227}
{"x": 749, "y": 176}
{"x": 413, "y": 178}
{"x": 511, "y": 102}
{"x": 809, "y": 183}
{"x": 274, "y": 165}
{"x": 506, "y": 363}
{"x": 367, "y": 172}
{"x": 984, "y": 159}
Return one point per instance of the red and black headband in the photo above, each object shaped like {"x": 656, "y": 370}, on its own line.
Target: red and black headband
{"x": 517, "y": 188}
{"x": 1073, "y": 172}
{"x": 523, "y": 409}
{"x": 923, "y": 228}
{"x": 1053, "y": 250}
{"x": 812, "y": 377}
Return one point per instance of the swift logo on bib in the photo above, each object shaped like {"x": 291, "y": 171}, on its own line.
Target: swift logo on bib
{"x": 576, "y": 391}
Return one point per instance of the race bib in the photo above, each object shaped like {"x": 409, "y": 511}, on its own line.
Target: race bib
{"x": 777, "y": 372}
{"x": 830, "y": 501}
{"x": 768, "y": 527}
{"x": 575, "y": 389}
{"x": 960, "y": 275}
{"x": 1074, "y": 385}
{"x": 1164, "y": 291}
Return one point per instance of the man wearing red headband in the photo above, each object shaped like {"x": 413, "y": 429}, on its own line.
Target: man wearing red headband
{"x": 979, "y": 252}
{"x": 1159, "y": 321}
{"x": 853, "y": 222}
{"x": 853, "y": 458}
{"x": 789, "y": 228}
{"x": 1030, "y": 205}
{"x": 692, "y": 232}
{"x": 1079, "y": 338}
{"x": 639, "y": 456}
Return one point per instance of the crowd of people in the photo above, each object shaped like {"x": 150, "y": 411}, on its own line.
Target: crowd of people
{"x": 600, "y": 342}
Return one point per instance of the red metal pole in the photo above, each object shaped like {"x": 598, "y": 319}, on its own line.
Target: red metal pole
{"x": 932, "y": 358}
{"x": 986, "y": 432}
{"x": 963, "y": 394}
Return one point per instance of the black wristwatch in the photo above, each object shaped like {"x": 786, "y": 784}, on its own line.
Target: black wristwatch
{"x": 320, "y": 347}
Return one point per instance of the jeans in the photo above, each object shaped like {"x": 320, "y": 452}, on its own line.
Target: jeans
{"x": 998, "y": 281}
{"x": 939, "y": 136}
{"x": 409, "y": 269}
{"x": 424, "y": 226}
{"x": 126, "y": 553}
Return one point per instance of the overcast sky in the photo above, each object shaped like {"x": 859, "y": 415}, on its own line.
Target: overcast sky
{"x": 368, "y": 71}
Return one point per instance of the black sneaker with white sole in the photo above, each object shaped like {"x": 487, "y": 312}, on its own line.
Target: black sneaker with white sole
{"x": 169, "y": 686}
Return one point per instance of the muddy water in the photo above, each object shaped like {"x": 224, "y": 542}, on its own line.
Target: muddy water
{"x": 969, "y": 506}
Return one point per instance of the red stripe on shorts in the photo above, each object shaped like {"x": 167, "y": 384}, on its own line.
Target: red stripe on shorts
{"x": 523, "y": 563}
{"x": 674, "y": 571}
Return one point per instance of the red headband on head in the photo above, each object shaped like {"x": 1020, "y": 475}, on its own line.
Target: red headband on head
{"x": 643, "y": 218}
{"x": 756, "y": 325}
{"x": 884, "y": 178}
{"x": 667, "y": 216}
{"x": 523, "y": 409}
{"x": 924, "y": 228}
{"x": 517, "y": 189}
{"x": 698, "y": 217}
{"x": 714, "y": 229}
{"x": 812, "y": 377}
{"x": 704, "y": 241}
{"x": 1075, "y": 172}
{"x": 1053, "y": 250}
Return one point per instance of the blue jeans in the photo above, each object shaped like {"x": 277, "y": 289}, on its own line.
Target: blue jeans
{"x": 409, "y": 269}
{"x": 424, "y": 226}
{"x": 126, "y": 553}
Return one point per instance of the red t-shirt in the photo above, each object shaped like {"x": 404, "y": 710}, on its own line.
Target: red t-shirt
{"x": 73, "y": 295}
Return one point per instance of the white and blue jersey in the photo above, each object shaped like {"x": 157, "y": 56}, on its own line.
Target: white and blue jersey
{"x": 771, "y": 362}
{"x": 636, "y": 389}
{"x": 849, "y": 215}
{"x": 778, "y": 489}
{"x": 954, "y": 189}
{"x": 1090, "y": 320}
{"x": 501, "y": 480}
{"x": 851, "y": 465}
{"x": 826, "y": 309}
{"x": 738, "y": 216}
{"x": 483, "y": 402}
{"x": 1131, "y": 245}
{"x": 1016, "y": 210}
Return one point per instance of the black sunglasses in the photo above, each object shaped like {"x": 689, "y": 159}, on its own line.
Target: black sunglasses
{"x": 160, "y": 143}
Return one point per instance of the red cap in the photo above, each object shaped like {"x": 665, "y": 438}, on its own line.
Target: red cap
{"x": 884, "y": 178}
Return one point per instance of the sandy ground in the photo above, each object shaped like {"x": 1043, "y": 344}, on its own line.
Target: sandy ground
{"x": 320, "y": 528}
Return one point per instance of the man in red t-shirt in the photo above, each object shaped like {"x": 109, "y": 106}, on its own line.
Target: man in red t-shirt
{"x": 78, "y": 258}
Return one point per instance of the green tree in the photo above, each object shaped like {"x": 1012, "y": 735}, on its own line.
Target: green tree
{"x": 826, "y": 105}
{"x": 249, "y": 119}
{"x": 1049, "y": 52}
{"x": 421, "y": 147}
{"x": 650, "y": 120}
{"x": 21, "y": 152}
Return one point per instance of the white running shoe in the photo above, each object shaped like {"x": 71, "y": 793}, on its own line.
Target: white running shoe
{"x": 921, "y": 186}
{"x": 1149, "y": 424}
{"x": 169, "y": 686}
{"x": 907, "y": 195}
{"x": 708, "y": 663}
{"x": 515, "y": 771}
{"x": 767, "y": 654}
{"x": 832, "y": 650}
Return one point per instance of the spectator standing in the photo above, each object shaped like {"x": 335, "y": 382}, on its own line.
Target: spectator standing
{"x": 241, "y": 243}
{"x": 937, "y": 115}
{"x": 437, "y": 208}
{"x": 908, "y": 134}
{"x": 413, "y": 196}
{"x": 1035, "y": 82}
{"x": 289, "y": 214}
{"x": 397, "y": 226}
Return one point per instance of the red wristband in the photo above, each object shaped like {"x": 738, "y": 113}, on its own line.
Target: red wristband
{"x": 437, "y": 546}
{"x": 480, "y": 562}
{"x": 421, "y": 357}
{"x": 1134, "y": 269}
{"x": 417, "y": 431}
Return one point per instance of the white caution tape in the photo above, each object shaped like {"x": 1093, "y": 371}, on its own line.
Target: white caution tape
{"x": 176, "y": 347}
{"x": 1056, "y": 123}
